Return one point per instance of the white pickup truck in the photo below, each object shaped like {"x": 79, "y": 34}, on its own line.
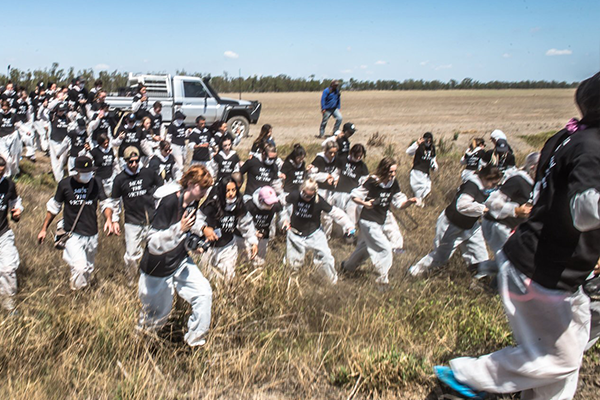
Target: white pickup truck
{"x": 193, "y": 96}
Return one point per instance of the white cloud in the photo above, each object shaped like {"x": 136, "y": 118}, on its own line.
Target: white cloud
{"x": 424, "y": 63}
{"x": 507, "y": 55}
{"x": 346, "y": 71}
{"x": 555, "y": 52}
{"x": 231, "y": 54}
{"x": 381, "y": 62}
{"x": 363, "y": 67}
{"x": 101, "y": 67}
{"x": 445, "y": 66}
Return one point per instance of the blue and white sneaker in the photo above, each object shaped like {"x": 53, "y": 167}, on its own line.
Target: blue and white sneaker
{"x": 446, "y": 376}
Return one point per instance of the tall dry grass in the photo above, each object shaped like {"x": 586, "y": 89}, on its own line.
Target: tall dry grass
{"x": 273, "y": 335}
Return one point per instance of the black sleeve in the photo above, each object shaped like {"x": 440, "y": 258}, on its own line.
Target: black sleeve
{"x": 101, "y": 193}
{"x": 116, "y": 189}
{"x": 246, "y": 167}
{"x": 210, "y": 212}
{"x": 584, "y": 172}
{"x": 60, "y": 191}
{"x": 364, "y": 170}
{"x": 157, "y": 180}
{"x": 163, "y": 215}
{"x": 325, "y": 206}
{"x": 292, "y": 198}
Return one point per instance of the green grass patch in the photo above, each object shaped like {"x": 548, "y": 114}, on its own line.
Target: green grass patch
{"x": 537, "y": 140}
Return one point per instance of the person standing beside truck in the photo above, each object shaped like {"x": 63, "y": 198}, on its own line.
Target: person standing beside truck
{"x": 139, "y": 104}
{"x": 330, "y": 105}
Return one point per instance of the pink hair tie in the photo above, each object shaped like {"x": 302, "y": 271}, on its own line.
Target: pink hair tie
{"x": 574, "y": 125}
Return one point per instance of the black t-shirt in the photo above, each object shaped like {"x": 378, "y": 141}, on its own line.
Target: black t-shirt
{"x": 78, "y": 139}
{"x": 178, "y": 134}
{"x": 164, "y": 169}
{"x": 472, "y": 159}
{"x": 461, "y": 220}
{"x": 225, "y": 165}
{"x": 72, "y": 194}
{"x": 9, "y": 96}
{"x": 60, "y": 124}
{"x": 156, "y": 122}
{"x": 518, "y": 190}
{"x": 294, "y": 176}
{"x": 502, "y": 161}
{"x": 262, "y": 218}
{"x": 423, "y": 158}
{"x": 382, "y": 200}
{"x": 344, "y": 146}
{"x": 350, "y": 174}
{"x": 143, "y": 110}
{"x": 7, "y": 123}
{"x": 227, "y": 223}
{"x": 259, "y": 174}
{"x": 22, "y": 106}
{"x": 306, "y": 216}
{"x": 136, "y": 192}
{"x": 8, "y": 193}
{"x": 104, "y": 162}
{"x": 102, "y": 127}
{"x": 168, "y": 213}
{"x": 133, "y": 137}
{"x": 324, "y": 166}
{"x": 547, "y": 247}
{"x": 201, "y": 137}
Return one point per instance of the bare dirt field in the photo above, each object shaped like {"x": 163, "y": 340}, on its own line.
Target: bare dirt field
{"x": 277, "y": 335}
{"x": 405, "y": 115}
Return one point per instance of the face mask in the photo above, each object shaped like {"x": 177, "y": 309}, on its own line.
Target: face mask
{"x": 231, "y": 201}
{"x": 178, "y": 122}
{"x": 230, "y": 204}
{"x": 269, "y": 161}
{"x": 85, "y": 177}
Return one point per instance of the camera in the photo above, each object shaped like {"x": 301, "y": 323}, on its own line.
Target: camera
{"x": 194, "y": 242}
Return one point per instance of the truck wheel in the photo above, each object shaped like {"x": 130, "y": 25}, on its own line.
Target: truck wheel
{"x": 238, "y": 126}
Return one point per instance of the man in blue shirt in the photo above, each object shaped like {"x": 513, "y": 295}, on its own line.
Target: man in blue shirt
{"x": 330, "y": 105}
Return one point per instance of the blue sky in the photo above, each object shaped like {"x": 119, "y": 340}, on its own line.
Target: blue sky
{"x": 366, "y": 40}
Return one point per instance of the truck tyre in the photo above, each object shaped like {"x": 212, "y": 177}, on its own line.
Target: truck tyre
{"x": 238, "y": 126}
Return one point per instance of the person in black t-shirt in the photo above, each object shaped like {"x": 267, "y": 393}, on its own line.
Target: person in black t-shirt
{"x": 500, "y": 156}
{"x": 82, "y": 189}
{"x": 294, "y": 169}
{"x": 150, "y": 140}
{"x": 139, "y": 104}
{"x": 263, "y": 206}
{"x": 510, "y": 204}
{"x": 199, "y": 142}
{"x": 472, "y": 157}
{"x": 24, "y": 122}
{"x": 225, "y": 162}
{"x": 324, "y": 170}
{"x": 10, "y": 142}
{"x": 265, "y": 137}
{"x": 99, "y": 124}
{"x": 156, "y": 116}
{"x": 304, "y": 231}
{"x": 10, "y": 205}
{"x": 376, "y": 195}
{"x": 218, "y": 132}
{"x": 424, "y": 161}
{"x": 79, "y": 143}
{"x": 164, "y": 163}
{"x": 352, "y": 172}
{"x": 134, "y": 188}
{"x": 59, "y": 124}
{"x": 221, "y": 216}
{"x": 104, "y": 161}
{"x": 177, "y": 134}
{"x": 342, "y": 138}
{"x": 542, "y": 267}
{"x": 261, "y": 171}
{"x": 130, "y": 134}
{"x": 166, "y": 266}
{"x": 458, "y": 225}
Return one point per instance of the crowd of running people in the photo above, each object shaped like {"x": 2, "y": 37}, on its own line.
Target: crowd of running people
{"x": 180, "y": 190}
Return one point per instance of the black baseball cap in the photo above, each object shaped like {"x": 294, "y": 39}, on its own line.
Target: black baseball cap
{"x": 84, "y": 164}
{"x": 501, "y": 146}
{"x": 179, "y": 115}
{"x": 349, "y": 127}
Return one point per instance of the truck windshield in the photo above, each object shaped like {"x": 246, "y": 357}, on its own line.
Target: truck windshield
{"x": 194, "y": 89}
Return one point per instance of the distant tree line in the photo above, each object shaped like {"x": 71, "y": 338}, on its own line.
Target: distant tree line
{"x": 113, "y": 81}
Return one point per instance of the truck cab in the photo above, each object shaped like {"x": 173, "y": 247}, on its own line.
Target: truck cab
{"x": 193, "y": 96}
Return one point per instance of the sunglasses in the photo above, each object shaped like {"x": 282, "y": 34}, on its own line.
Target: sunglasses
{"x": 306, "y": 196}
{"x": 129, "y": 162}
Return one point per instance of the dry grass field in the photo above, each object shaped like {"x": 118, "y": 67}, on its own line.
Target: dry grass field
{"x": 274, "y": 335}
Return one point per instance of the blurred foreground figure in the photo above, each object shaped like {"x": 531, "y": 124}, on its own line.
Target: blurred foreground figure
{"x": 542, "y": 267}
{"x": 9, "y": 256}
